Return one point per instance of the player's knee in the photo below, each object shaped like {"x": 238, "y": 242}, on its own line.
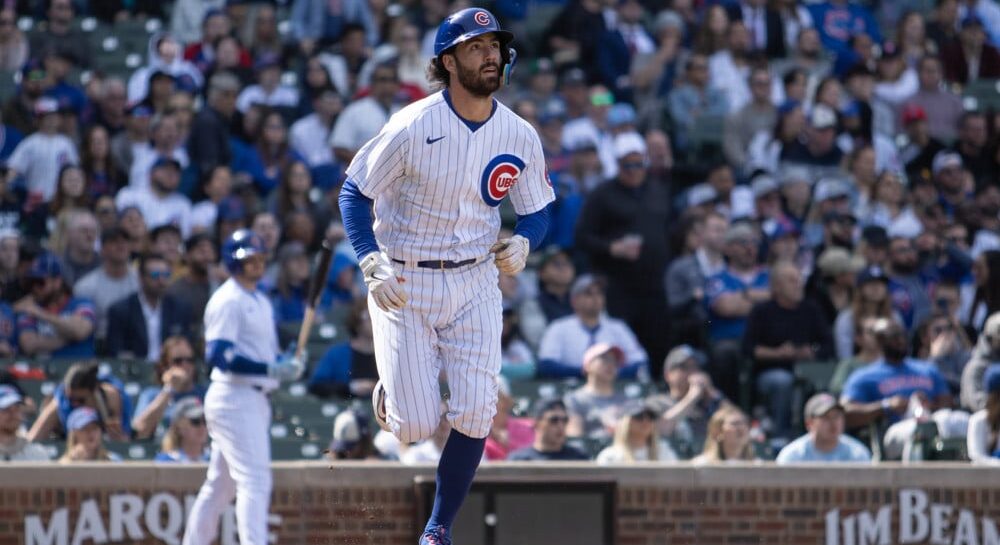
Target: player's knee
{"x": 411, "y": 431}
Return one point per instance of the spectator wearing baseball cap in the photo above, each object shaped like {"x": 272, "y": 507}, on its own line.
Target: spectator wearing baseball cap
{"x": 160, "y": 203}
{"x": 40, "y": 156}
{"x": 819, "y": 148}
{"x": 49, "y": 319}
{"x": 970, "y": 57}
{"x": 922, "y": 145}
{"x": 268, "y": 91}
{"x": 691, "y": 398}
{"x": 983, "y": 445}
{"x": 85, "y": 386}
{"x": 825, "y": 440}
{"x": 594, "y": 408}
{"x": 729, "y": 297}
{"x": 565, "y": 341}
{"x": 352, "y": 438}
{"x": 622, "y": 229}
{"x": 14, "y": 447}
{"x": 84, "y": 438}
{"x": 186, "y": 440}
{"x": 551, "y": 419}
{"x": 636, "y": 438}
{"x": 870, "y": 300}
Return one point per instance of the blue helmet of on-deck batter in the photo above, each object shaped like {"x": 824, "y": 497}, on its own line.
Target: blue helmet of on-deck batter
{"x": 469, "y": 23}
{"x": 239, "y": 246}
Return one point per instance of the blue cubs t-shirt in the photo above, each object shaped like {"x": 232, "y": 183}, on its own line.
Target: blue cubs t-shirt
{"x": 723, "y": 328}
{"x": 880, "y": 381}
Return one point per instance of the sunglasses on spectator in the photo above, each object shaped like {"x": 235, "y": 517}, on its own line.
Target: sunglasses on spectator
{"x": 556, "y": 419}
{"x": 181, "y": 359}
{"x": 197, "y": 422}
{"x": 159, "y": 275}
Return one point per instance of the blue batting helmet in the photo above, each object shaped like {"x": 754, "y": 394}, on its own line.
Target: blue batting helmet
{"x": 239, "y": 246}
{"x": 469, "y": 23}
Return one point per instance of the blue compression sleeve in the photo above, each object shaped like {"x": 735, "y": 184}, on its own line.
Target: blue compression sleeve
{"x": 533, "y": 227}
{"x": 222, "y": 355}
{"x": 355, "y": 209}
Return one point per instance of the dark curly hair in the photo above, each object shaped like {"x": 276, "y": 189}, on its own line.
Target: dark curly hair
{"x": 437, "y": 74}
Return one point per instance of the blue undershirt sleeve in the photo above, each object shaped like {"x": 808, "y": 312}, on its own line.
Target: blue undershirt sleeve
{"x": 222, "y": 355}
{"x": 532, "y": 227}
{"x": 355, "y": 209}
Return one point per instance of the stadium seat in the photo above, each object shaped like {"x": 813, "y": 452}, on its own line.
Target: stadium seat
{"x": 982, "y": 95}
{"x": 811, "y": 377}
{"x": 705, "y": 137}
{"x": 296, "y": 449}
{"x": 133, "y": 450}
{"x": 954, "y": 449}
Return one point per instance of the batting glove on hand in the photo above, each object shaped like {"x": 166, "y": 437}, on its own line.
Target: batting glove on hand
{"x": 382, "y": 282}
{"x": 289, "y": 368}
{"x": 511, "y": 254}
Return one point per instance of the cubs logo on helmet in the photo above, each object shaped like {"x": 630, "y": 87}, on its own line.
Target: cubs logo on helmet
{"x": 499, "y": 176}
{"x": 482, "y": 18}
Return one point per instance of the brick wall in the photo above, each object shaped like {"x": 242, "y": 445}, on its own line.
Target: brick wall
{"x": 369, "y": 504}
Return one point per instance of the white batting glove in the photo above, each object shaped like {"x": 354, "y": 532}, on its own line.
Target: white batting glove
{"x": 511, "y": 254}
{"x": 380, "y": 277}
{"x": 289, "y": 368}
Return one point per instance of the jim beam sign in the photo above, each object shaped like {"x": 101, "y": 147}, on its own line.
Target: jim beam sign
{"x": 919, "y": 522}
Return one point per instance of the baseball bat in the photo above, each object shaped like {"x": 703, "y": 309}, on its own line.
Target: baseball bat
{"x": 316, "y": 285}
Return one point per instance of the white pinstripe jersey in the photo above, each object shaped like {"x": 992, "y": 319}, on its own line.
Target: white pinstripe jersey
{"x": 437, "y": 184}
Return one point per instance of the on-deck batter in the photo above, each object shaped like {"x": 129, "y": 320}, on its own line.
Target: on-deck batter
{"x": 242, "y": 347}
{"x": 436, "y": 173}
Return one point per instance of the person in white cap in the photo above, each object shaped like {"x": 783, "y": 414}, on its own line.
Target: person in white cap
{"x": 623, "y": 230}
{"x": 41, "y": 156}
{"x": 595, "y": 407}
{"x": 14, "y": 447}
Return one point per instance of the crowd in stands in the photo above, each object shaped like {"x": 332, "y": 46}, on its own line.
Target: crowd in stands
{"x": 776, "y": 231}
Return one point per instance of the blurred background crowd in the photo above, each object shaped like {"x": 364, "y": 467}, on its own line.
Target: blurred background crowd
{"x": 776, "y": 232}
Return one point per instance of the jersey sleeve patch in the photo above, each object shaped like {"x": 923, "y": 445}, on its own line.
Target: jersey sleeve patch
{"x": 500, "y": 174}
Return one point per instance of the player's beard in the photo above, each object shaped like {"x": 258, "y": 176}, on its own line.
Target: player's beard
{"x": 476, "y": 82}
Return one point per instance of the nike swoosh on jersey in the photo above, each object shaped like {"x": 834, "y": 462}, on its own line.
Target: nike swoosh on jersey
{"x": 432, "y": 140}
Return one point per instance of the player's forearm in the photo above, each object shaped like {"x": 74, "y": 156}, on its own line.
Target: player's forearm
{"x": 355, "y": 209}
{"x": 533, "y": 227}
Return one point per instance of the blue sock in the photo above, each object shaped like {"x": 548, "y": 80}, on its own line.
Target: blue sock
{"x": 459, "y": 460}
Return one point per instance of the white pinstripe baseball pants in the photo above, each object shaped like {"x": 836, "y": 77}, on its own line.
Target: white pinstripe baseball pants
{"x": 451, "y": 323}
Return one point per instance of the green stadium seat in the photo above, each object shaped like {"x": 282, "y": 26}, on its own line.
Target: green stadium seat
{"x": 982, "y": 95}
{"x": 8, "y": 85}
{"x": 955, "y": 449}
{"x": 133, "y": 450}
{"x": 296, "y": 449}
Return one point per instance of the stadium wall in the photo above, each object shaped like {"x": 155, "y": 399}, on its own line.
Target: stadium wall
{"x": 315, "y": 504}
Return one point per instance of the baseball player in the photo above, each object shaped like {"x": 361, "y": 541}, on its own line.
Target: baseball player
{"x": 242, "y": 347}
{"x": 436, "y": 174}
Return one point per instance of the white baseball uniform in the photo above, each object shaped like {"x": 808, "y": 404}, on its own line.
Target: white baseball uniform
{"x": 436, "y": 181}
{"x": 238, "y": 414}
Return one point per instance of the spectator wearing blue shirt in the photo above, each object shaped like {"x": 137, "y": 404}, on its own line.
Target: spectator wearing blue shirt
{"x": 348, "y": 369}
{"x": 825, "y": 440}
{"x": 908, "y": 287}
{"x": 729, "y": 297}
{"x": 882, "y": 391}
{"x": 8, "y": 331}
{"x": 84, "y": 386}
{"x": 838, "y": 20}
{"x": 288, "y": 296}
{"x": 51, "y": 321}
{"x": 176, "y": 379}
{"x": 186, "y": 440}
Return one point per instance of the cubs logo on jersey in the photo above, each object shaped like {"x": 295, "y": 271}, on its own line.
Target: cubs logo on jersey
{"x": 500, "y": 174}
